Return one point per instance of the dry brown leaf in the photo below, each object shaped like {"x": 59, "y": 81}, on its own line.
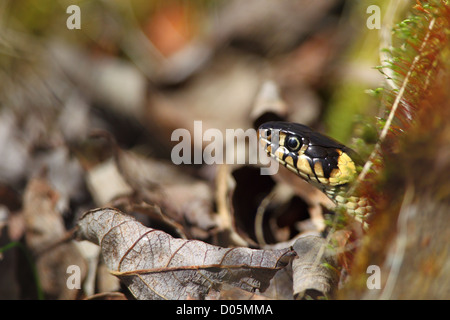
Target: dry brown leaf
{"x": 233, "y": 293}
{"x": 44, "y": 227}
{"x": 280, "y": 287}
{"x": 182, "y": 198}
{"x": 43, "y": 222}
{"x": 154, "y": 265}
{"x": 105, "y": 183}
{"x": 107, "y": 296}
{"x": 268, "y": 100}
{"x": 314, "y": 270}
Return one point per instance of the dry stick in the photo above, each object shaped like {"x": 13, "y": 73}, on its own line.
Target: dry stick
{"x": 259, "y": 232}
{"x": 398, "y": 98}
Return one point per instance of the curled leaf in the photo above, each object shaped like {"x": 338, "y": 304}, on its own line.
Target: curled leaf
{"x": 154, "y": 265}
{"x": 314, "y": 270}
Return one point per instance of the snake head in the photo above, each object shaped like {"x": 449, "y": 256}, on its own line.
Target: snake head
{"x": 314, "y": 157}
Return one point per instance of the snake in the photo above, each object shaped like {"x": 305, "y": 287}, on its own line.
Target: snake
{"x": 318, "y": 159}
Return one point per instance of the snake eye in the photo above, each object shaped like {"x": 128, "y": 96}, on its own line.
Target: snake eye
{"x": 293, "y": 143}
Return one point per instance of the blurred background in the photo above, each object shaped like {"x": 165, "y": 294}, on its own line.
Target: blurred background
{"x": 116, "y": 88}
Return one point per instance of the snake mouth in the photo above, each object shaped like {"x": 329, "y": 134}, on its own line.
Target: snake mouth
{"x": 269, "y": 138}
{"x": 264, "y": 133}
